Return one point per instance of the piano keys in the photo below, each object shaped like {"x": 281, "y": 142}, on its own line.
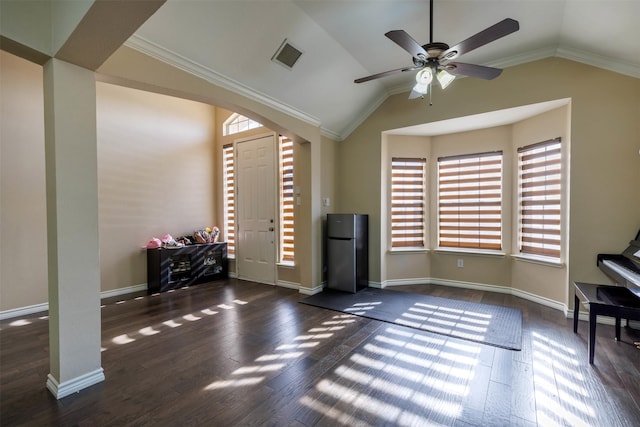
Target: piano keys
{"x": 624, "y": 268}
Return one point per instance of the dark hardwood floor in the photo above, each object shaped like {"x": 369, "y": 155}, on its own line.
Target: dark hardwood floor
{"x": 240, "y": 353}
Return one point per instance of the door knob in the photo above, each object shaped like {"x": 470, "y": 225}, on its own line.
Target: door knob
{"x": 270, "y": 228}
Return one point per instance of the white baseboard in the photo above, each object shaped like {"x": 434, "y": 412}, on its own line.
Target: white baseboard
{"x": 310, "y": 291}
{"x": 481, "y": 287}
{"x": 605, "y": 320}
{"x": 37, "y": 308}
{"x": 123, "y": 291}
{"x": 23, "y": 311}
{"x": 60, "y": 390}
{"x": 288, "y": 285}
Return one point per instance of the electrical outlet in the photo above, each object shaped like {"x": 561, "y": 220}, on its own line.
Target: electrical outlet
{"x": 460, "y": 263}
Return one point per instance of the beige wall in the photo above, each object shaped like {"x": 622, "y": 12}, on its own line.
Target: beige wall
{"x": 400, "y": 266}
{"x": 23, "y": 221}
{"x": 156, "y": 169}
{"x": 604, "y": 143}
{"x": 134, "y": 69}
{"x": 604, "y": 164}
{"x": 547, "y": 281}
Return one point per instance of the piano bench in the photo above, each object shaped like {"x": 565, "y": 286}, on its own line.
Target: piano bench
{"x": 604, "y": 300}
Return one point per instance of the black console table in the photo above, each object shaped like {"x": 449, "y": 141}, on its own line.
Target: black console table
{"x": 172, "y": 268}
{"x": 613, "y": 301}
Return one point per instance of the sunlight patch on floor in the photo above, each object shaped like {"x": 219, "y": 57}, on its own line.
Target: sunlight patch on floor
{"x": 148, "y": 331}
{"x": 286, "y": 354}
{"x": 332, "y": 412}
{"x": 172, "y": 324}
{"x": 560, "y": 395}
{"x": 122, "y": 339}
{"x": 258, "y": 368}
{"x": 242, "y": 382}
{"x": 431, "y": 372}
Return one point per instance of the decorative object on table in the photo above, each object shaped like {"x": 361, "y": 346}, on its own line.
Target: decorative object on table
{"x": 153, "y": 243}
{"x": 207, "y": 235}
{"x": 185, "y": 240}
{"x": 169, "y": 242}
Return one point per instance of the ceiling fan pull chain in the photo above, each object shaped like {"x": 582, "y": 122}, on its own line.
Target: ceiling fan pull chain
{"x": 430, "y": 92}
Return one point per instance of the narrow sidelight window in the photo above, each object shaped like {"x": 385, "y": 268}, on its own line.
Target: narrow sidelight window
{"x": 540, "y": 194}
{"x": 470, "y": 201}
{"x": 286, "y": 201}
{"x": 229, "y": 199}
{"x": 408, "y": 183}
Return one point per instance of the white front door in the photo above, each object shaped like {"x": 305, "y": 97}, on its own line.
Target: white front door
{"x": 256, "y": 194}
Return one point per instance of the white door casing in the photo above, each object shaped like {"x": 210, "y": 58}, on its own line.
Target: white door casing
{"x": 256, "y": 210}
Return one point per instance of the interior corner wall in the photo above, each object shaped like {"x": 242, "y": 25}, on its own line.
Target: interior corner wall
{"x": 402, "y": 265}
{"x": 23, "y": 221}
{"x": 156, "y": 168}
{"x": 328, "y": 193}
{"x": 535, "y": 278}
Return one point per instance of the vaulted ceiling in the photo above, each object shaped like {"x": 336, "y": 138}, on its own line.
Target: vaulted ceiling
{"x": 231, "y": 43}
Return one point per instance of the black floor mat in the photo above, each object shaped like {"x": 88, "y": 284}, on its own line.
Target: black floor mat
{"x": 488, "y": 324}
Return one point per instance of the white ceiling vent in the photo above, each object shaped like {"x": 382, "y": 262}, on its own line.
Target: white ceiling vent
{"x": 286, "y": 55}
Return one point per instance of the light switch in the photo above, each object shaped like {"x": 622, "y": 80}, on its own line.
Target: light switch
{"x": 326, "y": 202}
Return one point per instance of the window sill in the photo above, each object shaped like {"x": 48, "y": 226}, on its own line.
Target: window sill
{"x": 400, "y": 251}
{"x": 286, "y": 264}
{"x": 472, "y": 252}
{"x": 538, "y": 260}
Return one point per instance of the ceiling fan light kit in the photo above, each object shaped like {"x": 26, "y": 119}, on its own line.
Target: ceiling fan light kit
{"x": 434, "y": 58}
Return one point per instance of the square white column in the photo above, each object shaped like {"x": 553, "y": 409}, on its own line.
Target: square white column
{"x": 72, "y": 228}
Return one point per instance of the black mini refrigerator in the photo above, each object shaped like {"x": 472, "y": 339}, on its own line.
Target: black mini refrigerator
{"x": 347, "y": 252}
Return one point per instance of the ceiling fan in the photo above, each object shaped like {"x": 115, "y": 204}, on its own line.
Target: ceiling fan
{"x": 434, "y": 58}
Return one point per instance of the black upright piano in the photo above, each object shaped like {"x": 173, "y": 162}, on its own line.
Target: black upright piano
{"x": 624, "y": 268}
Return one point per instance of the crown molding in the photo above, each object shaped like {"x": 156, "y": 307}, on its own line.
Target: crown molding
{"x": 331, "y": 134}
{"x": 160, "y": 53}
{"x": 169, "y": 57}
{"x": 524, "y": 57}
{"x": 606, "y": 63}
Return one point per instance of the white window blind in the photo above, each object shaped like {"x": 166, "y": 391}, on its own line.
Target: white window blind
{"x": 408, "y": 202}
{"x": 539, "y": 193}
{"x": 470, "y": 201}
{"x": 229, "y": 199}
{"x": 287, "y": 253}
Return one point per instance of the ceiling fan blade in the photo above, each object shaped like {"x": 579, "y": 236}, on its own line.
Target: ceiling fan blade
{"x": 501, "y": 29}
{"x": 472, "y": 70}
{"x": 405, "y": 41}
{"x": 384, "y": 74}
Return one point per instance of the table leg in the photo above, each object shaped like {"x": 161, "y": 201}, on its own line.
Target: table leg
{"x": 617, "y": 328}
{"x": 576, "y": 309}
{"x": 592, "y": 334}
